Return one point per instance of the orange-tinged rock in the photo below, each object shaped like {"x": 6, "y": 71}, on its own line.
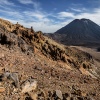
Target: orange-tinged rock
{"x": 2, "y": 89}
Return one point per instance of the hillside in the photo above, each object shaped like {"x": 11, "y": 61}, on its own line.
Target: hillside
{"x": 34, "y": 67}
{"x": 82, "y": 32}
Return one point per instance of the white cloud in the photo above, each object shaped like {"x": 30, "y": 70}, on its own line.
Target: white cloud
{"x": 46, "y": 24}
{"x": 42, "y": 26}
{"x": 76, "y": 10}
{"x": 16, "y": 15}
{"x": 6, "y": 2}
{"x": 25, "y": 1}
{"x": 41, "y": 20}
{"x": 35, "y": 4}
{"x": 36, "y": 14}
{"x": 65, "y": 14}
{"x": 79, "y": 9}
{"x": 94, "y": 15}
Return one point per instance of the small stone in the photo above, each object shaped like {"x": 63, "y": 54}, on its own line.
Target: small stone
{"x": 2, "y": 89}
{"x": 29, "y": 85}
{"x": 59, "y": 94}
{"x": 13, "y": 76}
{"x": 2, "y": 55}
{"x": 34, "y": 96}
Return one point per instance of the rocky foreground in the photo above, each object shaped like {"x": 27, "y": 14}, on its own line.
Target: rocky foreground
{"x": 34, "y": 67}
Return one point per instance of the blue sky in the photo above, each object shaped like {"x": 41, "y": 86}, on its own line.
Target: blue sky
{"x": 49, "y": 15}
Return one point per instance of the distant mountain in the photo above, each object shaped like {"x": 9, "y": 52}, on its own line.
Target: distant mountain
{"x": 79, "y": 32}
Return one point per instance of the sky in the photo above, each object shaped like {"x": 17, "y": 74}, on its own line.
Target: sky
{"x": 49, "y": 15}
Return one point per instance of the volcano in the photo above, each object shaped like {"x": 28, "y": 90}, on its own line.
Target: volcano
{"x": 79, "y": 32}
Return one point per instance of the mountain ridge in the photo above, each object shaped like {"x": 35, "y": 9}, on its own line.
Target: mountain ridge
{"x": 79, "y": 32}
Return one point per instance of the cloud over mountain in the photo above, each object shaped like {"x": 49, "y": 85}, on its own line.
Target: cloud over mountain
{"x": 42, "y": 15}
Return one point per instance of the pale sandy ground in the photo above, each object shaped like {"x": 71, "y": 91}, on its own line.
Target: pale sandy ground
{"x": 93, "y": 53}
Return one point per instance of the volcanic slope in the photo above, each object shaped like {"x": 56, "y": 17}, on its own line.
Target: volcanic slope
{"x": 28, "y": 59}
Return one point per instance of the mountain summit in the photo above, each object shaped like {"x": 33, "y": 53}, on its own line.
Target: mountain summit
{"x": 79, "y": 32}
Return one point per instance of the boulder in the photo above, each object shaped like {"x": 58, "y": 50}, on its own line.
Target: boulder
{"x": 29, "y": 85}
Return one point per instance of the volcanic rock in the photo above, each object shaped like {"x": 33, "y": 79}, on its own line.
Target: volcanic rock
{"x": 2, "y": 89}
{"x": 29, "y": 85}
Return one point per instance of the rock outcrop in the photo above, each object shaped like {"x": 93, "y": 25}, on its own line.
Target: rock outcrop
{"x": 15, "y": 35}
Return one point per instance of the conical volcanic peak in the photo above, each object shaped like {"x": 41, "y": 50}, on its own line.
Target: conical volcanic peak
{"x": 79, "y": 32}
